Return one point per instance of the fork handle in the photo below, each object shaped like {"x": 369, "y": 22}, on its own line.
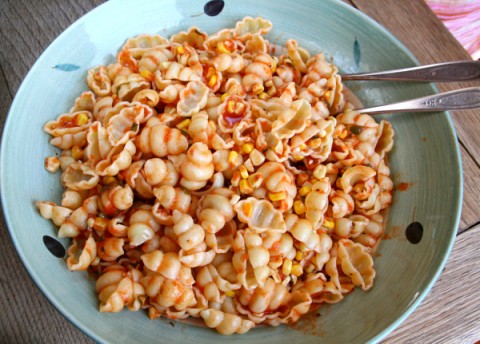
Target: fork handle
{"x": 439, "y": 72}
{"x": 466, "y": 98}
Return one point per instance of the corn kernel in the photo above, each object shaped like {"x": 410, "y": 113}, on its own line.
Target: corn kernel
{"x": 224, "y": 96}
{"x": 247, "y": 209}
{"x": 343, "y": 134}
{"x": 81, "y": 119}
{"x": 274, "y": 64}
{"x": 247, "y": 148}
{"x": 233, "y": 158}
{"x": 230, "y": 106}
{"x": 328, "y": 94}
{"x": 328, "y": 224}
{"x": 147, "y": 75}
{"x": 304, "y": 190}
{"x": 299, "y": 207}
{"x": 249, "y": 166}
{"x": 297, "y": 157}
{"x": 299, "y": 256}
{"x": 239, "y": 108}
{"x": 100, "y": 224}
{"x": 230, "y": 293}
{"x": 277, "y": 196}
{"x": 222, "y": 48}
{"x": 180, "y": 50}
{"x": 314, "y": 143}
{"x": 255, "y": 180}
{"x": 212, "y": 81}
{"x": 257, "y": 88}
{"x": 297, "y": 270}
{"x": 109, "y": 180}
{"x": 302, "y": 146}
{"x": 320, "y": 172}
{"x": 243, "y": 172}
{"x": 245, "y": 187}
{"x": 235, "y": 178}
{"x": 184, "y": 124}
{"x": 287, "y": 267}
{"x": 263, "y": 96}
{"x": 302, "y": 178}
{"x": 77, "y": 153}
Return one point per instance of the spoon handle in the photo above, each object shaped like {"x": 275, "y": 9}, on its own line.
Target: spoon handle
{"x": 439, "y": 72}
{"x": 466, "y": 98}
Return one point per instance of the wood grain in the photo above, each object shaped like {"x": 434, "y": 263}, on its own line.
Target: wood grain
{"x": 26, "y": 29}
{"x": 450, "y": 313}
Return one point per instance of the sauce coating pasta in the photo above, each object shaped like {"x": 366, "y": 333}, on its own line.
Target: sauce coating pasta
{"x": 222, "y": 178}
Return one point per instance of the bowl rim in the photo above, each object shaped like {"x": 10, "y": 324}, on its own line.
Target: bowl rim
{"x": 33, "y": 274}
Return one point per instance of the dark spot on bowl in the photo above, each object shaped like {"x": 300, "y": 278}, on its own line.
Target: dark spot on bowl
{"x": 357, "y": 53}
{"x": 54, "y": 246}
{"x": 414, "y": 232}
{"x": 213, "y": 7}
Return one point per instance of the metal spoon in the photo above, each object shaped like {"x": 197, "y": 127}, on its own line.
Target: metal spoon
{"x": 439, "y": 72}
{"x": 466, "y": 98}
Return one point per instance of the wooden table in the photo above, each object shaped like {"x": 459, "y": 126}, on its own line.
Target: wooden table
{"x": 451, "y": 311}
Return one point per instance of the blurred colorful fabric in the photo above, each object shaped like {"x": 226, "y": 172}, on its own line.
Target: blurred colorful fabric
{"x": 462, "y": 18}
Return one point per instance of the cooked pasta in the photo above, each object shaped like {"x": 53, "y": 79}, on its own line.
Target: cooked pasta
{"x": 220, "y": 177}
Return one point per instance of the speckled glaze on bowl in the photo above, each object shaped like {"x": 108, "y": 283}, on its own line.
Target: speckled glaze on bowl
{"x": 425, "y": 157}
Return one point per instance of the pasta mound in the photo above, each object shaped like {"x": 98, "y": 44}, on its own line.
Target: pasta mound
{"x": 220, "y": 177}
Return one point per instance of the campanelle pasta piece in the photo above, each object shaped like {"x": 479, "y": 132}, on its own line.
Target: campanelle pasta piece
{"x": 118, "y": 288}
{"x": 342, "y": 204}
{"x": 110, "y": 249}
{"x": 69, "y": 123}
{"x": 124, "y": 125}
{"x": 67, "y": 141}
{"x": 114, "y": 198}
{"x": 189, "y": 234}
{"x": 79, "y": 176}
{"x": 320, "y": 290}
{"x": 225, "y": 323}
{"x": 160, "y": 140}
{"x": 167, "y": 292}
{"x": 169, "y": 199}
{"x": 259, "y": 71}
{"x": 250, "y": 259}
{"x": 153, "y": 58}
{"x": 298, "y": 55}
{"x": 118, "y": 159}
{"x": 214, "y": 286}
{"x": 78, "y": 220}
{"x": 260, "y": 215}
{"x": 278, "y": 181}
{"x": 293, "y": 120}
{"x": 138, "y": 45}
{"x": 168, "y": 265}
{"x": 214, "y": 211}
{"x": 356, "y": 263}
{"x": 197, "y": 168}
{"x": 192, "y": 99}
{"x": 99, "y": 82}
{"x": 230, "y": 63}
{"x": 193, "y": 36}
{"x": 80, "y": 258}
{"x": 98, "y": 145}
{"x": 316, "y": 202}
{"x": 303, "y": 231}
{"x": 51, "y": 211}
{"x": 249, "y": 26}
{"x": 125, "y": 87}
{"x": 142, "y": 226}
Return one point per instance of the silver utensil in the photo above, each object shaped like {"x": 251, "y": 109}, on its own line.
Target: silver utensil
{"x": 439, "y": 72}
{"x": 466, "y": 98}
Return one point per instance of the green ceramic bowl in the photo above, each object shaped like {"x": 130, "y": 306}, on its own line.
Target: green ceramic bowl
{"x": 426, "y": 157}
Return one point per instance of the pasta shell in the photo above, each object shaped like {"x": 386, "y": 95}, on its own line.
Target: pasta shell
{"x": 249, "y": 26}
{"x": 260, "y": 215}
{"x": 192, "y": 99}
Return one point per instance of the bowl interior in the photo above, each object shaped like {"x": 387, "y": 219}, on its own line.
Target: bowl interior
{"x": 425, "y": 157}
